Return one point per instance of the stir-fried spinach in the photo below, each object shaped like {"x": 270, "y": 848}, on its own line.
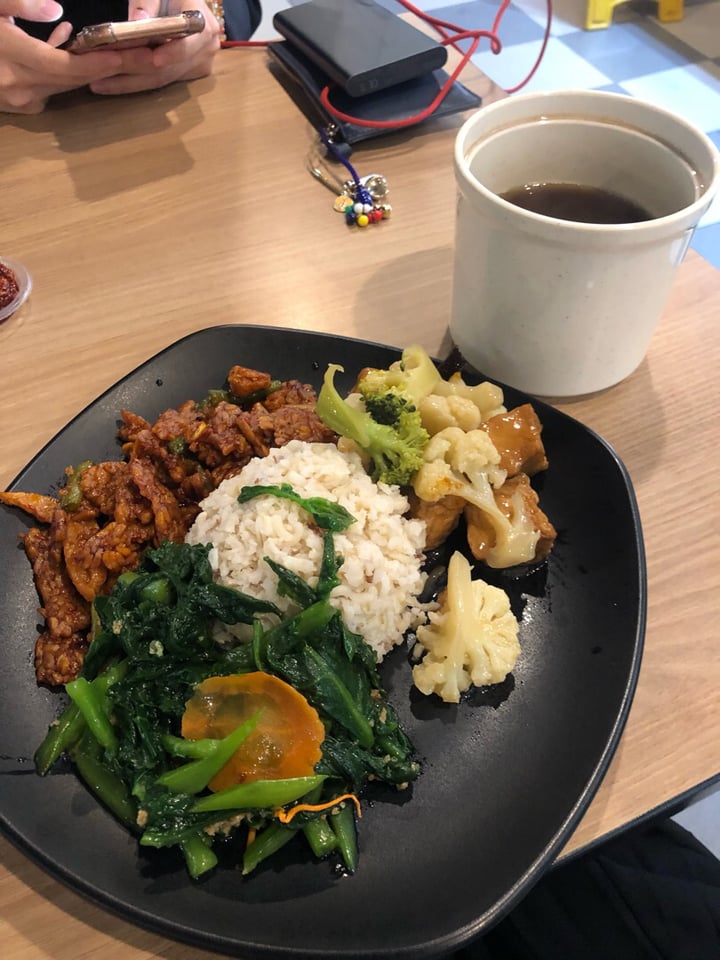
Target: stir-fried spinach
{"x": 153, "y": 644}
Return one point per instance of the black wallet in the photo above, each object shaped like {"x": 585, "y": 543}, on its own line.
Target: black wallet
{"x": 304, "y": 81}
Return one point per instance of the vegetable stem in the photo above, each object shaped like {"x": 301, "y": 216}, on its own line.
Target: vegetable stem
{"x": 66, "y": 730}
{"x": 320, "y": 836}
{"x": 194, "y": 776}
{"x": 69, "y": 726}
{"x": 107, "y": 787}
{"x": 272, "y": 839}
{"x": 195, "y": 749}
{"x": 199, "y": 856}
{"x": 343, "y": 826}
{"x": 258, "y": 794}
{"x": 318, "y": 833}
{"x": 88, "y": 700}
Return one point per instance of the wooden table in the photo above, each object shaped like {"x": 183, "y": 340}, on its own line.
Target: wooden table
{"x": 144, "y": 219}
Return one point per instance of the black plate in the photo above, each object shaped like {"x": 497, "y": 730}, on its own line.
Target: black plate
{"x": 506, "y": 775}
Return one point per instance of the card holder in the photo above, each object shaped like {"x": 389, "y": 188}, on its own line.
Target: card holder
{"x": 304, "y": 82}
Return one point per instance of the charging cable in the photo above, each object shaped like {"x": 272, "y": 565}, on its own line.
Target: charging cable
{"x": 450, "y": 35}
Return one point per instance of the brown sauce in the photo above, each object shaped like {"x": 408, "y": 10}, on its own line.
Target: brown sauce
{"x": 573, "y": 201}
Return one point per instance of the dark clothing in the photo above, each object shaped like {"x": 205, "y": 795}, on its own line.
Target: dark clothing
{"x": 80, "y": 13}
{"x": 650, "y": 894}
{"x": 241, "y": 16}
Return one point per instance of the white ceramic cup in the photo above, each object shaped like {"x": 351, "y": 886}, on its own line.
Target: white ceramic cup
{"x": 557, "y": 307}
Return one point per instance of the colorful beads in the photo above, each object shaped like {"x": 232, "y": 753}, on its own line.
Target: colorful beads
{"x": 359, "y": 207}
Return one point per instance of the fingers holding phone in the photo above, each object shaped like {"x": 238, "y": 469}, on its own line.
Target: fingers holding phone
{"x": 32, "y": 70}
{"x": 151, "y": 67}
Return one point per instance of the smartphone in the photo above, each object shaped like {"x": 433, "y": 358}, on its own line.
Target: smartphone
{"x": 136, "y": 33}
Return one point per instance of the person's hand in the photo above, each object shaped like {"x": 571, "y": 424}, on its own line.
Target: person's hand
{"x": 147, "y": 68}
{"x": 31, "y": 70}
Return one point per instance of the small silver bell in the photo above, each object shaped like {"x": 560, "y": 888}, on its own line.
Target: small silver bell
{"x": 377, "y": 186}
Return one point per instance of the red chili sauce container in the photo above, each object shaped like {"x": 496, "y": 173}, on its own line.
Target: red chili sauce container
{"x": 15, "y": 287}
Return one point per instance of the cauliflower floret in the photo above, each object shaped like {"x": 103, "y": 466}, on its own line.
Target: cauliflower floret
{"x": 472, "y": 639}
{"x": 486, "y": 396}
{"x": 460, "y": 457}
{"x": 438, "y": 412}
{"x": 467, "y": 465}
{"x": 520, "y": 504}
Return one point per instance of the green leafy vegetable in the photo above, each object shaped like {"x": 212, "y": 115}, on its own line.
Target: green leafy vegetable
{"x": 152, "y": 644}
{"x": 326, "y": 514}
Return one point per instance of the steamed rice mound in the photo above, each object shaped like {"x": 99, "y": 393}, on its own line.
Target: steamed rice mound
{"x": 381, "y": 576}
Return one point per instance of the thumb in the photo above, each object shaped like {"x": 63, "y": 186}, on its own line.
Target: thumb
{"x": 45, "y": 11}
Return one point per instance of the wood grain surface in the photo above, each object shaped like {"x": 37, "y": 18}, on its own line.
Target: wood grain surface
{"x": 145, "y": 218}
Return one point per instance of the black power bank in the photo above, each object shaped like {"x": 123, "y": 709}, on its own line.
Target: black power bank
{"x": 359, "y": 45}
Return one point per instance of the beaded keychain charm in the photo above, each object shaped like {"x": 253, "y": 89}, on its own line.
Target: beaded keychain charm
{"x": 363, "y": 200}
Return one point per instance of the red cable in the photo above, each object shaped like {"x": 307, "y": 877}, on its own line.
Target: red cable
{"x": 447, "y": 39}
{"x": 475, "y": 35}
{"x": 541, "y": 54}
{"x": 246, "y": 43}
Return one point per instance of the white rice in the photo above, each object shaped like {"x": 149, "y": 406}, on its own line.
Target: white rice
{"x": 381, "y": 575}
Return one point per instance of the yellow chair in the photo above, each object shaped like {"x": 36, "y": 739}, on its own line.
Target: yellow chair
{"x": 599, "y": 12}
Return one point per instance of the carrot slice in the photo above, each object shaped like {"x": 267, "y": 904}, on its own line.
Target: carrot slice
{"x": 286, "y": 741}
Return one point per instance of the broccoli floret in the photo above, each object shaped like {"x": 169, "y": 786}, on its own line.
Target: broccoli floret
{"x": 395, "y": 448}
{"x": 386, "y": 406}
{"x": 414, "y": 375}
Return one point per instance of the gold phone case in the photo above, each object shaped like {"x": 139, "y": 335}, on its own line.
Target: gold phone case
{"x": 135, "y": 33}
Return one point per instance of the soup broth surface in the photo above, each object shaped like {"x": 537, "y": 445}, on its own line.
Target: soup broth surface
{"x": 574, "y": 201}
